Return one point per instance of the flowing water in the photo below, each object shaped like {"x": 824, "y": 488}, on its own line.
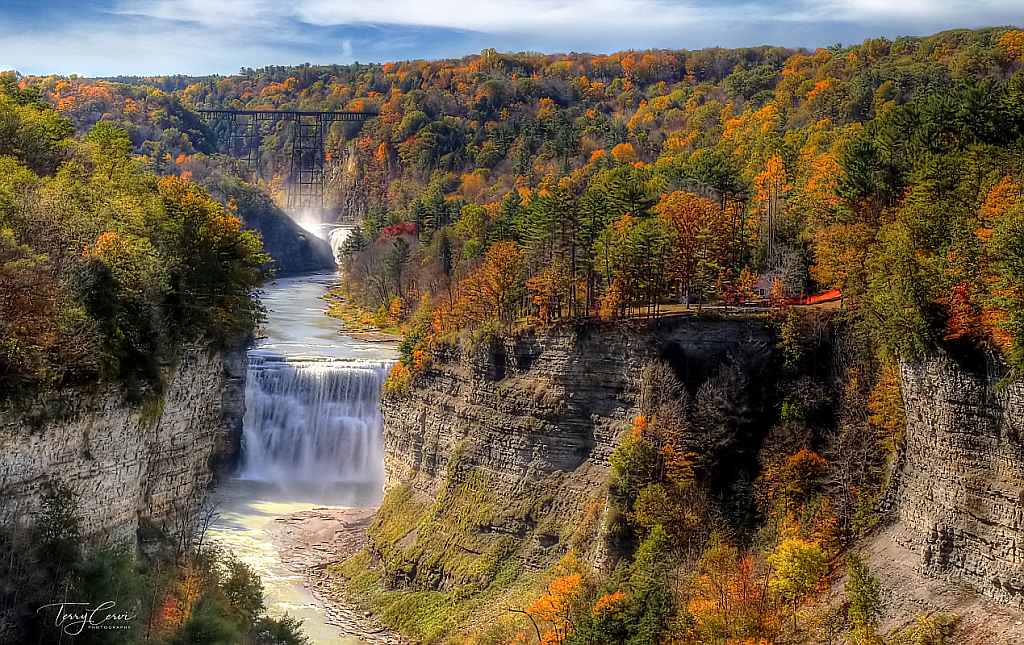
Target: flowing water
{"x": 313, "y": 422}
{"x": 311, "y": 437}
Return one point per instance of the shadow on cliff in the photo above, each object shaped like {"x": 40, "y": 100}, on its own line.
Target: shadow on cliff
{"x": 292, "y": 248}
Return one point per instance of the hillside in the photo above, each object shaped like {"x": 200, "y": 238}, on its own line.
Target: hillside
{"x": 514, "y": 207}
{"x": 812, "y": 170}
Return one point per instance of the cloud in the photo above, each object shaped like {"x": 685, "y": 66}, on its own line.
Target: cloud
{"x": 592, "y": 25}
{"x": 109, "y": 37}
{"x": 220, "y": 14}
{"x": 918, "y": 11}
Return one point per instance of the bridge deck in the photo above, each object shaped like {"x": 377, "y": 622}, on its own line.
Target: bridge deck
{"x": 343, "y": 115}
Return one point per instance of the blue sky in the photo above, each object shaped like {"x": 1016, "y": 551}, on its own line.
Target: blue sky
{"x": 155, "y": 37}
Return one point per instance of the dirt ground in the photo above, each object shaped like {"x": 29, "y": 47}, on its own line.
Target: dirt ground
{"x": 907, "y": 594}
{"x": 309, "y": 542}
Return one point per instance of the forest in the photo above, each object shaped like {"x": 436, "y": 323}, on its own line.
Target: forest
{"x": 506, "y": 191}
{"x": 504, "y": 186}
{"x": 106, "y": 268}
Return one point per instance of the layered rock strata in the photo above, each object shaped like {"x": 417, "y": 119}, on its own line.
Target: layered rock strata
{"x": 959, "y": 493}
{"x": 521, "y": 430}
{"x": 128, "y": 462}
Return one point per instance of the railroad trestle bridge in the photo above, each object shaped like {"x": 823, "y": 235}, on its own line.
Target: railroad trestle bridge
{"x": 240, "y": 135}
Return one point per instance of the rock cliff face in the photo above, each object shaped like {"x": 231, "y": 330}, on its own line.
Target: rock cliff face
{"x": 959, "y": 494}
{"x": 292, "y": 249}
{"x": 128, "y": 462}
{"x": 521, "y": 431}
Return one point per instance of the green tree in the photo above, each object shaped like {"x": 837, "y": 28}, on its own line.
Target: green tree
{"x": 865, "y": 608}
{"x": 244, "y": 591}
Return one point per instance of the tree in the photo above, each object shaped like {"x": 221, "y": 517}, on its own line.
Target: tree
{"x": 865, "y": 601}
{"x": 27, "y": 308}
{"x": 798, "y": 568}
{"x": 111, "y": 149}
{"x": 785, "y": 487}
{"x": 630, "y": 191}
{"x": 492, "y": 292}
{"x": 217, "y": 264}
{"x": 286, "y": 630}
{"x": 244, "y": 591}
{"x": 30, "y": 131}
{"x": 701, "y": 242}
{"x": 550, "y": 289}
{"x": 631, "y": 253}
{"x": 711, "y": 169}
{"x": 395, "y": 261}
{"x": 772, "y": 184}
{"x": 561, "y": 605}
{"x": 503, "y": 272}
{"x": 840, "y": 254}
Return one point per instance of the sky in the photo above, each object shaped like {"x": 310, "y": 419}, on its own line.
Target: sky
{"x": 199, "y": 37}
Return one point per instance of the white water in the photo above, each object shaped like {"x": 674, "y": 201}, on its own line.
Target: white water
{"x": 337, "y": 238}
{"x": 311, "y": 437}
{"x": 313, "y": 422}
{"x": 332, "y": 233}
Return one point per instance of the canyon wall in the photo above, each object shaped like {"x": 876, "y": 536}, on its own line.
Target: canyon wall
{"x": 517, "y": 433}
{"x": 129, "y": 462}
{"x": 958, "y": 494}
{"x": 502, "y": 452}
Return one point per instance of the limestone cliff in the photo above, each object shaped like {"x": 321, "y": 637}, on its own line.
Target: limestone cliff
{"x": 129, "y": 462}
{"x": 512, "y": 439}
{"x": 497, "y": 458}
{"x": 959, "y": 493}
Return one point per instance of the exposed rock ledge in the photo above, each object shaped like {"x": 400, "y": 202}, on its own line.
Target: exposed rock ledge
{"x": 128, "y": 462}
{"x": 959, "y": 495}
{"x": 527, "y": 426}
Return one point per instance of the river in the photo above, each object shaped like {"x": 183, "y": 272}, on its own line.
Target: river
{"x": 311, "y": 438}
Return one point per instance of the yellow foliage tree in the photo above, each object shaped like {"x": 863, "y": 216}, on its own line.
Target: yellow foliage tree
{"x": 1013, "y": 43}
{"x": 624, "y": 153}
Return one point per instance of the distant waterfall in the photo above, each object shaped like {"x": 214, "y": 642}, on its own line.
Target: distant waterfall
{"x": 313, "y": 421}
{"x": 337, "y": 238}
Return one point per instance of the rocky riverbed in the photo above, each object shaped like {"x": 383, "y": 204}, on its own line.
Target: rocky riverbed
{"x": 310, "y": 541}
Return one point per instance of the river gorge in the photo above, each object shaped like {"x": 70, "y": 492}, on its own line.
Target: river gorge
{"x": 311, "y": 437}
{"x": 497, "y": 460}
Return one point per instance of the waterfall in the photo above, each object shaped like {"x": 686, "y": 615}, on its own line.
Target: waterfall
{"x": 313, "y": 421}
{"x": 337, "y": 238}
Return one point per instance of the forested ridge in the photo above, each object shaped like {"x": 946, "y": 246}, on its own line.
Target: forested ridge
{"x": 504, "y": 185}
{"x": 505, "y": 191}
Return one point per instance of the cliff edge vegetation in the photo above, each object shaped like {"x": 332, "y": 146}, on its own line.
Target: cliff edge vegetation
{"x": 105, "y": 268}
{"x": 117, "y": 287}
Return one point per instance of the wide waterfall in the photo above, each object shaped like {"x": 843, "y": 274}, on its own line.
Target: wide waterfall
{"x": 313, "y": 421}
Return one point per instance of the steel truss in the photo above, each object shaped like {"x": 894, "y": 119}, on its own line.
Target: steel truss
{"x": 239, "y": 134}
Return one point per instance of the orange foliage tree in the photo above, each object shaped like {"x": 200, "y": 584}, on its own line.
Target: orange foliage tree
{"x": 492, "y": 292}
{"x": 560, "y": 606}
{"x": 702, "y": 240}
{"x": 785, "y": 487}
{"x": 728, "y": 597}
